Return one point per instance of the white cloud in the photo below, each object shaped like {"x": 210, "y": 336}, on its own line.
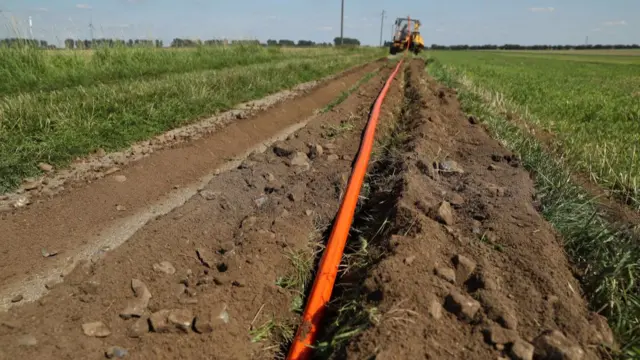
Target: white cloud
{"x": 83, "y": 6}
{"x": 439, "y": 30}
{"x": 542, "y": 9}
{"x": 615, "y": 23}
{"x": 41, "y": 9}
{"x": 596, "y": 29}
{"x": 325, "y": 28}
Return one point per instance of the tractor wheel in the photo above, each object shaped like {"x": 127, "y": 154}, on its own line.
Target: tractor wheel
{"x": 392, "y": 50}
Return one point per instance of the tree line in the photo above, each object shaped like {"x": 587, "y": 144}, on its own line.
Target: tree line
{"x": 96, "y": 43}
{"x": 178, "y": 42}
{"x": 81, "y": 44}
{"x": 18, "y": 42}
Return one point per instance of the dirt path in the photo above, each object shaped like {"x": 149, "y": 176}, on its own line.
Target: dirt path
{"x": 471, "y": 270}
{"x": 86, "y": 220}
{"x": 230, "y": 251}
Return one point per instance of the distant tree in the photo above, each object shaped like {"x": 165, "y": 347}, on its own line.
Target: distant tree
{"x": 346, "y": 41}
{"x": 68, "y": 43}
{"x": 272, "y": 42}
{"x": 306, "y": 43}
{"x": 285, "y": 42}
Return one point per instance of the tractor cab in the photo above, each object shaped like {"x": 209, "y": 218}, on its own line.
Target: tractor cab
{"x": 407, "y": 35}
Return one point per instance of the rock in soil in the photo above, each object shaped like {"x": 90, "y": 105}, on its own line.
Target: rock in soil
{"x": 315, "y": 151}
{"x": 159, "y": 321}
{"x": 17, "y": 298}
{"x": 136, "y": 307}
{"x": 521, "y": 350}
{"x": 409, "y": 259}
{"x": 495, "y": 334}
{"x": 300, "y": 159}
{"x": 211, "y": 321}
{"x": 203, "y": 256}
{"x": 464, "y": 267}
{"x": 282, "y": 150}
{"x": 447, "y": 274}
{"x": 45, "y": 167}
{"x": 31, "y": 185}
{"x": 260, "y": 201}
{"x": 445, "y": 213}
{"x": 164, "y": 267}
{"x": 463, "y": 306}
{"x": 120, "y": 178}
{"x": 138, "y": 328}
{"x": 171, "y": 320}
{"x": 27, "y": 340}
{"x": 332, "y": 157}
{"x": 552, "y": 344}
{"x": 181, "y": 319}
{"x": 450, "y": 166}
{"x": 435, "y": 309}
{"x": 96, "y": 329}
{"x": 455, "y": 199}
{"x": 115, "y": 352}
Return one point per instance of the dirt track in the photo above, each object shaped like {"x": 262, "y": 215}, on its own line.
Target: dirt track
{"x": 464, "y": 285}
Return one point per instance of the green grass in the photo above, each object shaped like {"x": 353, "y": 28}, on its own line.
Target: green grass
{"x": 608, "y": 256}
{"x": 624, "y": 58}
{"x": 593, "y": 108}
{"x": 29, "y": 69}
{"x": 62, "y": 119}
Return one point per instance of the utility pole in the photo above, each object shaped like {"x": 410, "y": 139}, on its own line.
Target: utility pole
{"x": 91, "y": 28}
{"x": 381, "y": 26}
{"x": 30, "y": 27}
{"x": 342, "y": 24}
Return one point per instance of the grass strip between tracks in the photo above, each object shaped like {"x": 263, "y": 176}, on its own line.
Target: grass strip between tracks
{"x": 607, "y": 256}
{"x": 331, "y": 258}
{"x": 57, "y": 126}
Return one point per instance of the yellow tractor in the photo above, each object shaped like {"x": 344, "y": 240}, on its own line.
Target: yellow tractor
{"x": 407, "y": 35}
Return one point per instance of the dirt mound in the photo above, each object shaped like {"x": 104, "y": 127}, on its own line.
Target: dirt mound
{"x": 217, "y": 278}
{"x": 473, "y": 270}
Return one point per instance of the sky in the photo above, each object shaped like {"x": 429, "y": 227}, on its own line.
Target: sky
{"x": 445, "y": 22}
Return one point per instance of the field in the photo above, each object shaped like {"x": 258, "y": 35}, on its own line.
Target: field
{"x": 56, "y": 107}
{"x": 180, "y": 204}
{"x": 591, "y": 105}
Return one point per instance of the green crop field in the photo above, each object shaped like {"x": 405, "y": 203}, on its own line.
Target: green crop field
{"x": 55, "y": 106}
{"x": 592, "y": 106}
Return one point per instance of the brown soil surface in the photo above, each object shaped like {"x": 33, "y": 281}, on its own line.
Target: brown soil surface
{"x": 85, "y": 212}
{"x": 229, "y": 245}
{"x": 472, "y": 270}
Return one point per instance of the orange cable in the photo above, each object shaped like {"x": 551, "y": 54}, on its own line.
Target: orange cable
{"x": 328, "y": 268}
